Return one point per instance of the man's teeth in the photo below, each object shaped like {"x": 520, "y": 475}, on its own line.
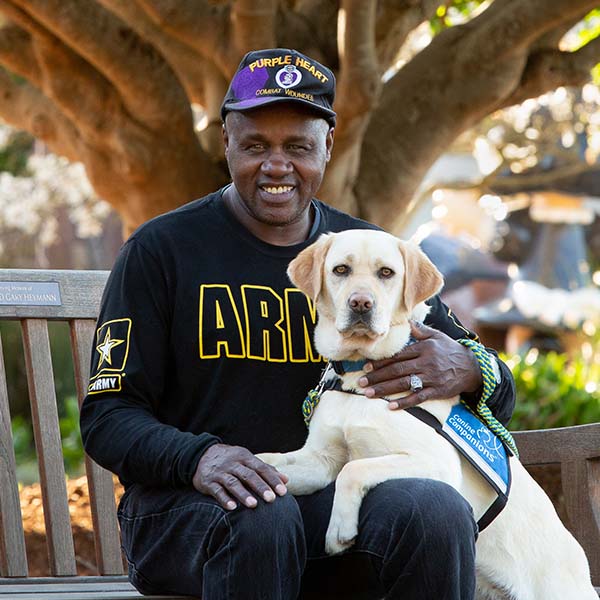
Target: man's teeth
{"x": 281, "y": 189}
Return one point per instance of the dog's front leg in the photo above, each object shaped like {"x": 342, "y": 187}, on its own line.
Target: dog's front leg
{"x": 355, "y": 480}
{"x": 318, "y": 462}
{"x": 308, "y": 469}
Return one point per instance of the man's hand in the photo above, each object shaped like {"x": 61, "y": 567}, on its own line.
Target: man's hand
{"x": 445, "y": 367}
{"x": 227, "y": 472}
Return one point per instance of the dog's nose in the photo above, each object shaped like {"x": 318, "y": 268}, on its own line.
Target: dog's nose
{"x": 360, "y": 302}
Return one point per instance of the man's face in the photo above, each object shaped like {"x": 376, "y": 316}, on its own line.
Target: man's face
{"x": 277, "y": 156}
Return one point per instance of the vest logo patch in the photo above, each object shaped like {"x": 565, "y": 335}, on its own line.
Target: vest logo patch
{"x": 484, "y": 448}
{"x": 111, "y": 351}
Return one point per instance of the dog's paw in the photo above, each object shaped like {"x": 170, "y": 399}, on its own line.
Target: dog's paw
{"x": 341, "y": 534}
{"x": 275, "y": 459}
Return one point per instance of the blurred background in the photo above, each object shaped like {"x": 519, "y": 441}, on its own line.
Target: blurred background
{"x": 473, "y": 127}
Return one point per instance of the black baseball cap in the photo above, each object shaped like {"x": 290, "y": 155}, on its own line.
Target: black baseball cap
{"x": 281, "y": 75}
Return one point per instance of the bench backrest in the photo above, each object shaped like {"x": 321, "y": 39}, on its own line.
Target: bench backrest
{"x": 74, "y": 297}
{"x": 33, "y": 298}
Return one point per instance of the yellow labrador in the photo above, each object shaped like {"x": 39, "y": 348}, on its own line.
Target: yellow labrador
{"x": 366, "y": 286}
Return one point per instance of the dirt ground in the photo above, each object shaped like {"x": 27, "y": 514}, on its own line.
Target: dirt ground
{"x": 81, "y": 518}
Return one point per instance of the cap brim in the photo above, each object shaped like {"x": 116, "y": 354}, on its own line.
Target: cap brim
{"x": 242, "y": 105}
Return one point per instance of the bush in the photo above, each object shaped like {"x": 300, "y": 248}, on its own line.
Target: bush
{"x": 24, "y": 446}
{"x": 554, "y": 390}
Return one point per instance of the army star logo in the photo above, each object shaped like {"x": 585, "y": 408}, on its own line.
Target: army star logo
{"x": 105, "y": 348}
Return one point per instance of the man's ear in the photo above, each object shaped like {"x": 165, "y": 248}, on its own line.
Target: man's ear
{"x": 329, "y": 142}
{"x": 421, "y": 278}
{"x": 225, "y": 137}
{"x": 306, "y": 270}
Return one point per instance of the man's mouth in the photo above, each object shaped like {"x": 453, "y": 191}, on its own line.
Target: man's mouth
{"x": 277, "y": 190}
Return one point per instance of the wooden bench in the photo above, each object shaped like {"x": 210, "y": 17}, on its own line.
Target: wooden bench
{"x": 74, "y": 297}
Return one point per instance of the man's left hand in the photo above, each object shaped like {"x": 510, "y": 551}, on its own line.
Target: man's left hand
{"x": 445, "y": 367}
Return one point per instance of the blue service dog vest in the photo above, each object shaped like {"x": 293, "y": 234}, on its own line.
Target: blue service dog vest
{"x": 484, "y": 450}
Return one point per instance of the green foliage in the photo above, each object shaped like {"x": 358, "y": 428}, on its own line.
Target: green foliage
{"x": 451, "y": 13}
{"x": 22, "y": 431}
{"x": 71, "y": 436}
{"x": 16, "y": 151}
{"x": 554, "y": 391}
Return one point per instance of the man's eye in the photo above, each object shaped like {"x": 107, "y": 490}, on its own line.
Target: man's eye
{"x": 385, "y": 273}
{"x": 341, "y": 270}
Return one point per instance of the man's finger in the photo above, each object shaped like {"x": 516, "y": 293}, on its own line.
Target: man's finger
{"x": 393, "y": 371}
{"x": 222, "y": 497}
{"x": 388, "y": 388}
{"x": 406, "y": 354}
{"x": 412, "y": 399}
{"x": 252, "y": 480}
{"x": 235, "y": 487}
{"x": 272, "y": 476}
{"x": 420, "y": 331}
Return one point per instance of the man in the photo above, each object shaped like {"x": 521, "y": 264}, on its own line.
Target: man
{"x": 203, "y": 356}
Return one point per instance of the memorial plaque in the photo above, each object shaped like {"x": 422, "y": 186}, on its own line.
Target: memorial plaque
{"x": 30, "y": 293}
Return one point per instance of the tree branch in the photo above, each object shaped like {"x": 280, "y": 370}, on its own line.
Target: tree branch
{"x": 200, "y": 25}
{"x": 184, "y": 60}
{"x": 549, "y": 69}
{"x": 395, "y": 20}
{"x": 508, "y": 27}
{"x": 119, "y": 54}
{"x": 25, "y": 107}
{"x": 253, "y": 24}
{"x": 359, "y": 80}
{"x": 464, "y": 74}
{"x": 359, "y": 85}
{"x": 16, "y": 53}
{"x": 81, "y": 99}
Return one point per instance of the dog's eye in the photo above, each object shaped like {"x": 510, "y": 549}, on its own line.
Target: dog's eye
{"x": 385, "y": 273}
{"x": 341, "y": 270}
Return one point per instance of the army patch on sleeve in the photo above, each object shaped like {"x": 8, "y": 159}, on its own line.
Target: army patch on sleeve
{"x": 110, "y": 356}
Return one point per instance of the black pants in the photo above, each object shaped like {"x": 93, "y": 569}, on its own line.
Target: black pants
{"x": 416, "y": 541}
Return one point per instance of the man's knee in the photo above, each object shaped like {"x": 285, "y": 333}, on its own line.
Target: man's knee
{"x": 424, "y": 509}
{"x": 269, "y": 525}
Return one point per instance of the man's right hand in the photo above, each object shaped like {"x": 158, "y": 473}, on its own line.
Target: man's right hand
{"x": 227, "y": 472}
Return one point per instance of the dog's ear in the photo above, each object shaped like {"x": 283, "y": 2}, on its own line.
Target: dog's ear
{"x": 306, "y": 270}
{"x": 421, "y": 278}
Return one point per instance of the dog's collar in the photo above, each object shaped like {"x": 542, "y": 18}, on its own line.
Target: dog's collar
{"x": 341, "y": 367}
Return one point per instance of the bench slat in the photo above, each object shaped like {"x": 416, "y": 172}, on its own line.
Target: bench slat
{"x": 547, "y": 446}
{"x": 100, "y": 482}
{"x": 40, "y": 379}
{"x": 13, "y": 558}
{"x": 581, "y": 488}
{"x": 74, "y": 588}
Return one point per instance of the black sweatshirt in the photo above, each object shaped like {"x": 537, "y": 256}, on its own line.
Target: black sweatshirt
{"x": 201, "y": 339}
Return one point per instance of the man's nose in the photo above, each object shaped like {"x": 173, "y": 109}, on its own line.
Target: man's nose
{"x": 360, "y": 302}
{"x": 277, "y": 165}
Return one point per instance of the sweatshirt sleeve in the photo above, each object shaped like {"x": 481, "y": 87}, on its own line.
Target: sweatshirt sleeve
{"x": 502, "y": 401}
{"x": 129, "y": 364}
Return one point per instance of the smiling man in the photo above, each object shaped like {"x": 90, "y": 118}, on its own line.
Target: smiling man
{"x": 203, "y": 356}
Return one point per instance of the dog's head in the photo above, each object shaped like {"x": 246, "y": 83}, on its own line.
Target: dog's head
{"x": 366, "y": 285}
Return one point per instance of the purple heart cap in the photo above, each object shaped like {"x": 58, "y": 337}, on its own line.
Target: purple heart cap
{"x": 281, "y": 75}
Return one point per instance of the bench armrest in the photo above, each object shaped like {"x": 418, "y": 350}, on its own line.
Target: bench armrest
{"x": 577, "y": 450}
